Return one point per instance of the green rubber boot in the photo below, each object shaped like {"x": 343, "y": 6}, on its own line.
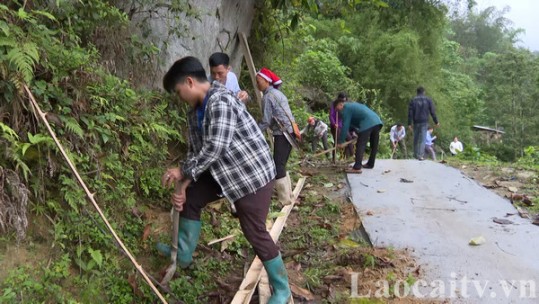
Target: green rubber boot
{"x": 278, "y": 278}
{"x": 188, "y": 234}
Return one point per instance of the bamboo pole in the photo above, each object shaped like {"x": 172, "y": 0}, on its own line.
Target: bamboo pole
{"x": 336, "y": 138}
{"x": 90, "y": 195}
{"x": 251, "y": 66}
{"x": 252, "y": 72}
{"x": 248, "y": 285}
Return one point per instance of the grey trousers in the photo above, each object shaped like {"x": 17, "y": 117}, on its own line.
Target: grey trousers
{"x": 420, "y": 135}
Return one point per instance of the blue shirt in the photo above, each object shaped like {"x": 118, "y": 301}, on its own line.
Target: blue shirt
{"x": 429, "y": 139}
{"x": 200, "y": 112}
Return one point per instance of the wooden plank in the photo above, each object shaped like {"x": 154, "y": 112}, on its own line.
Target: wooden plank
{"x": 252, "y": 72}
{"x": 228, "y": 237}
{"x": 264, "y": 292}
{"x": 248, "y": 285}
{"x": 251, "y": 66}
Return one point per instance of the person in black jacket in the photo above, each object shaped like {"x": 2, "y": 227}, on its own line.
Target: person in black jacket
{"x": 418, "y": 113}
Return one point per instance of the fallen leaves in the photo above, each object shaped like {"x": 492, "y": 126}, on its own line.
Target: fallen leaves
{"x": 523, "y": 213}
{"x": 521, "y": 198}
{"x": 301, "y": 293}
{"x": 146, "y": 233}
{"x": 476, "y": 241}
{"x": 502, "y": 221}
{"x": 512, "y": 189}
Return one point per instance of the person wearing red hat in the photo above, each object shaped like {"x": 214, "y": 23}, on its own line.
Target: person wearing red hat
{"x": 277, "y": 113}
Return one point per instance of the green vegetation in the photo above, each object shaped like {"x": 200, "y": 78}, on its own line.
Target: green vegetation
{"x": 121, "y": 135}
{"x": 379, "y": 53}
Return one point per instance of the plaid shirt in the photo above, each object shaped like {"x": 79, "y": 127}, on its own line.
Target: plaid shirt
{"x": 230, "y": 145}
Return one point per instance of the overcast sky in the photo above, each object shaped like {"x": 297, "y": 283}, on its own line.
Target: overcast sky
{"x": 524, "y": 14}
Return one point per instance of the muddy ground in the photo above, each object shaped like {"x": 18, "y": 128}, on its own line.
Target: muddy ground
{"x": 322, "y": 243}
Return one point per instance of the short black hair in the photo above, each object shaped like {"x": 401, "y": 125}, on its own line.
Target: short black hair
{"x": 186, "y": 67}
{"x": 217, "y": 59}
{"x": 399, "y": 124}
{"x": 342, "y": 95}
{"x": 420, "y": 90}
{"x": 338, "y": 101}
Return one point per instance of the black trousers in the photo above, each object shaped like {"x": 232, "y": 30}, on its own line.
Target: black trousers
{"x": 252, "y": 211}
{"x": 371, "y": 135}
{"x": 281, "y": 153}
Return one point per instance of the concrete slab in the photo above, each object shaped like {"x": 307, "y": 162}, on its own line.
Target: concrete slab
{"x": 436, "y": 216}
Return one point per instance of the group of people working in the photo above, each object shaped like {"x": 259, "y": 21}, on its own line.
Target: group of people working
{"x": 348, "y": 120}
{"x": 397, "y": 136}
{"x": 228, "y": 154}
{"x": 419, "y": 109}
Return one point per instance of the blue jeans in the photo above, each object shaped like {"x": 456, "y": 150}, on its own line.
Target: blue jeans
{"x": 420, "y": 135}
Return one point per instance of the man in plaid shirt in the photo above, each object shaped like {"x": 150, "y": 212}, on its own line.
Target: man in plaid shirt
{"x": 227, "y": 154}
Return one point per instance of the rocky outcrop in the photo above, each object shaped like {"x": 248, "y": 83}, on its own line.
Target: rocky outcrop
{"x": 202, "y": 28}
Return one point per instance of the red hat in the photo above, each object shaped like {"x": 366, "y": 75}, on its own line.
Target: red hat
{"x": 271, "y": 77}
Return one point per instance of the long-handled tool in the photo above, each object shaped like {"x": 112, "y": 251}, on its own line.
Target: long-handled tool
{"x": 335, "y": 138}
{"x": 174, "y": 251}
{"x": 393, "y": 152}
{"x": 329, "y": 150}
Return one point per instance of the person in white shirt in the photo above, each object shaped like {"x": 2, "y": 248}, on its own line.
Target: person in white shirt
{"x": 456, "y": 146}
{"x": 220, "y": 71}
{"x": 317, "y": 130}
{"x": 396, "y": 136}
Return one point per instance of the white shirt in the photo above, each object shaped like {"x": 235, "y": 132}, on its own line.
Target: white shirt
{"x": 231, "y": 82}
{"x": 455, "y": 147}
{"x": 319, "y": 128}
{"x": 396, "y": 135}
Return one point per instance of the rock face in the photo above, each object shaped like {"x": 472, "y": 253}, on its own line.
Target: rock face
{"x": 208, "y": 26}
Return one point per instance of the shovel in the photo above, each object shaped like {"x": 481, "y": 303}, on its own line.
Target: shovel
{"x": 174, "y": 251}
{"x": 393, "y": 153}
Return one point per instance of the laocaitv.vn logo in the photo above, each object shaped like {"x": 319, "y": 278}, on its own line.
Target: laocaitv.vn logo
{"x": 452, "y": 288}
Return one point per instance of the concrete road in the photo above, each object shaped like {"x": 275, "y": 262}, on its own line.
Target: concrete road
{"x": 436, "y": 216}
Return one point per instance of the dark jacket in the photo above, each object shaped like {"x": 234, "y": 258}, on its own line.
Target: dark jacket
{"x": 419, "y": 109}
